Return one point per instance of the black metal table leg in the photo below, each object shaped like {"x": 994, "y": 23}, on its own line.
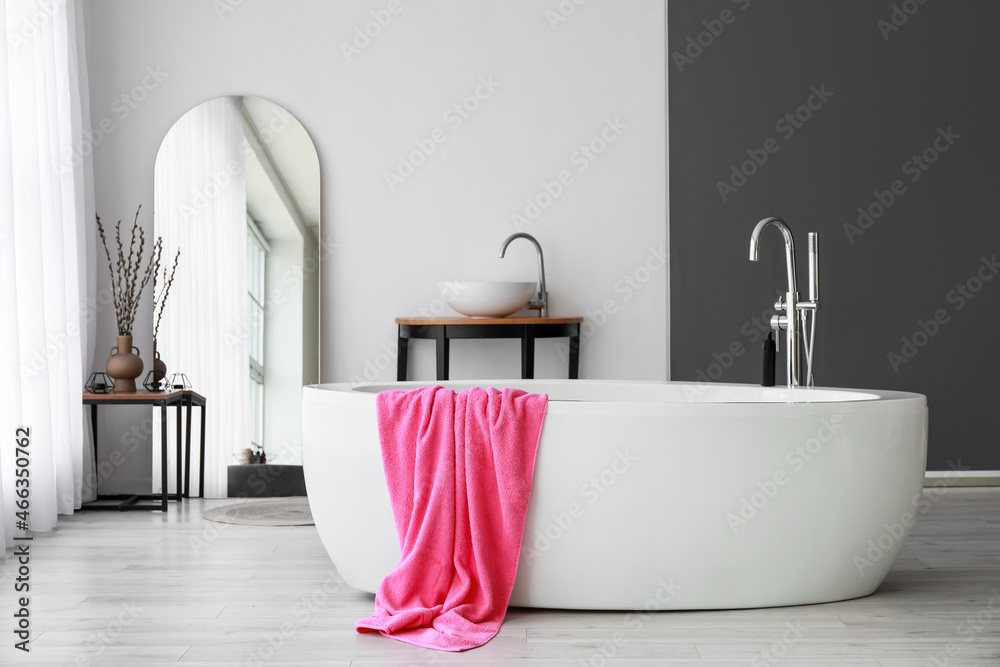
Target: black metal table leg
{"x": 442, "y": 353}
{"x": 528, "y": 353}
{"x": 163, "y": 455}
{"x": 574, "y": 355}
{"x": 177, "y": 493}
{"x": 187, "y": 450}
{"x": 201, "y": 457}
{"x": 93, "y": 428}
{"x": 402, "y": 345}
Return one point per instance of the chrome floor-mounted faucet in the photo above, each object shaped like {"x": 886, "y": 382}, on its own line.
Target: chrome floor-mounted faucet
{"x": 800, "y": 316}
{"x": 541, "y": 302}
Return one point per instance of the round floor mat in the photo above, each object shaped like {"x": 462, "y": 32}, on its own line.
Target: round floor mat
{"x": 293, "y": 511}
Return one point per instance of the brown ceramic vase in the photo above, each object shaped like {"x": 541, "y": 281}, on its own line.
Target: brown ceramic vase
{"x": 124, "y": 366}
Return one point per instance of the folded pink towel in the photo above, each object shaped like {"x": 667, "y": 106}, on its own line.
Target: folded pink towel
{"x": 459, "y": 471}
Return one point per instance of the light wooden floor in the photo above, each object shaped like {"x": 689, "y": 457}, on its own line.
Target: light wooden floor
{"x": 144, "y": 588}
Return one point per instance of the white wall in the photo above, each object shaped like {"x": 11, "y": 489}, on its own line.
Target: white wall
{"x": 558, "y": 82}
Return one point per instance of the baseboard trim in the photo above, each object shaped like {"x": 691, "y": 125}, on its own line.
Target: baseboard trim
{"x": 962, "y": 477}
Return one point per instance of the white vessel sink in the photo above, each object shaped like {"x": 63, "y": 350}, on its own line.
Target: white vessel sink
{"x": 487, "y": 299}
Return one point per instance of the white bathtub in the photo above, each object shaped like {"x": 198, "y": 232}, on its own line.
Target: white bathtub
{"x": 661, "y": 495}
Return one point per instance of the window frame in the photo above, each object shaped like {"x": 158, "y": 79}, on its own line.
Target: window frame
{"x": 257, "y": 251}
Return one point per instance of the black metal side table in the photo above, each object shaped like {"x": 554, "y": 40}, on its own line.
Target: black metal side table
{"x": 177, "y": 399}
{"x": 444, "y": 329}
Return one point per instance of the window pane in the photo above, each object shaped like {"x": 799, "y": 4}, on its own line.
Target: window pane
{"x": 257, "y": 333}
{"x": 252, "y": 316}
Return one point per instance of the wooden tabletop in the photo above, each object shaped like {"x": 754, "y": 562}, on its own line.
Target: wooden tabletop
{"x": 432, "y": 321}
{"x": 140, "y": 396}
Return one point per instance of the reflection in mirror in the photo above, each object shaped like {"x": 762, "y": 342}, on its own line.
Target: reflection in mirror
{"x": 237, "y": 192}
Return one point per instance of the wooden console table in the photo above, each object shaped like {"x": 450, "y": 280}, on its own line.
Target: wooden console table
{"x": 444, "y": 329}
{"x": 184, "y": 398}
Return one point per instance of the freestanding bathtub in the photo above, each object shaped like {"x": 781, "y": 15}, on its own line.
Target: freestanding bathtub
{"x": 661, "y": 495}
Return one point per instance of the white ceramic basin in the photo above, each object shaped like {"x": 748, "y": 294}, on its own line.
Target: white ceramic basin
{"x": 487, "y": 299}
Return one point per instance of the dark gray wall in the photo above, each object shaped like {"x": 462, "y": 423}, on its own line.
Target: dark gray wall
{"x": 894, "y": 92}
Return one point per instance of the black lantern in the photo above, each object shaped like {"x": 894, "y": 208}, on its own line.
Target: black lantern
{"x": 156, "y": 380}
{"x": 99, "y": 383}
{"x": 178, "y": 381}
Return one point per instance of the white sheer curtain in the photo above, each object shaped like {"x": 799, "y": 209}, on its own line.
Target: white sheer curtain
{"x": 200, "y": 207}
{"x": 46, "y": 257}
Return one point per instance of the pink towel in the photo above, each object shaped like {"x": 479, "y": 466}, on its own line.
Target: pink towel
{"x": 459, "y": 470}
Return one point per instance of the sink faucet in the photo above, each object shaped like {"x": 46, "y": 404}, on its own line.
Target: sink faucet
{"x": 799, "y": 315}
{"x": 541, "y": 303}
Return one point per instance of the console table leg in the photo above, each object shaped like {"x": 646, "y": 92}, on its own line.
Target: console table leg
{"x": 442, "y": 354}
{"x": 402, "y": 345}
{"x": 187, "y": 450}
{"x": 93, "y": 428}
{"x": 163, "y": 455}
{"x": 528, "y": 353}
{"x": 574, "y": 356}
{"x": 177, "y": 455}
{"x": 201, "y": 457}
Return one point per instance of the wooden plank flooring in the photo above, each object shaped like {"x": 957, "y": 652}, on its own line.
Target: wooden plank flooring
{"x": 146, "y": 588}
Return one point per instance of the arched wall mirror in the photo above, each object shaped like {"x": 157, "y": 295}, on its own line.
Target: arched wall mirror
{"x": 236, "y": 192}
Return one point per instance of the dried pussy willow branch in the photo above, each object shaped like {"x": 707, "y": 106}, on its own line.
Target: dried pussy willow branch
{"x": 126, "y": 289}
{"x": 161, "y": 299}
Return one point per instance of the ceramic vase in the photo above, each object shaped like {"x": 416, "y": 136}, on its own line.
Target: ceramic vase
{"x": 158, "y": 364}
{"x": 123, "y": 365}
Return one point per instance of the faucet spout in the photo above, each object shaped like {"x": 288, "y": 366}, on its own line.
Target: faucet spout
{"x": 789, "y": 304}
{"x": 786, "y": 233}
{"x": 800, "y": 316}
{"x": 542, "y": 302}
